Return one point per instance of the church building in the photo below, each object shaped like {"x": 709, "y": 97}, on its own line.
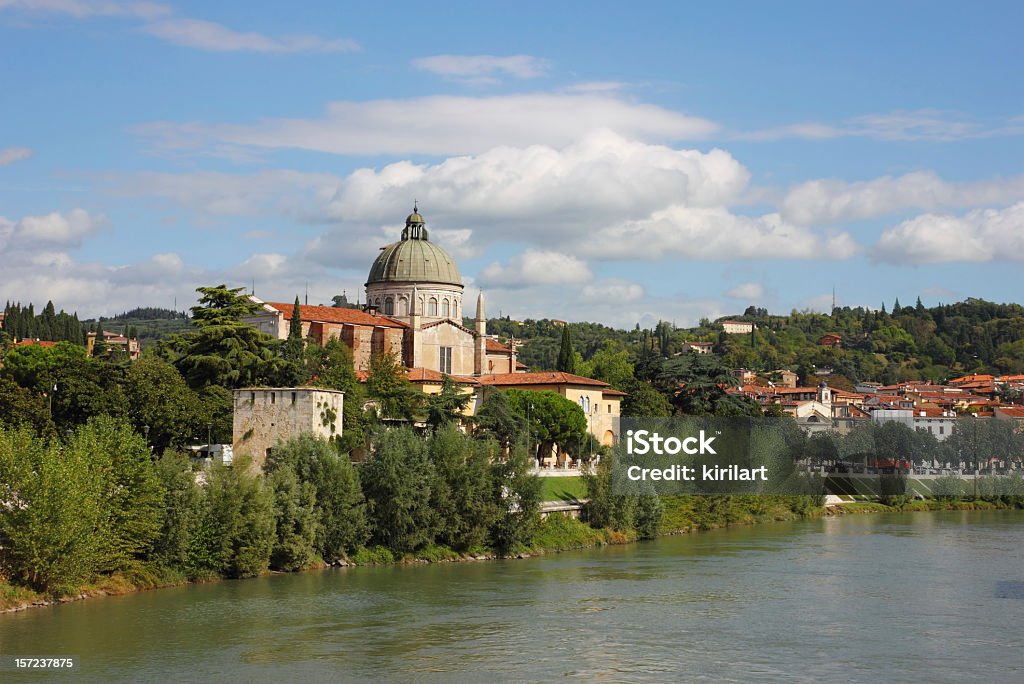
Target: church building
{"x": 414, "y": 309}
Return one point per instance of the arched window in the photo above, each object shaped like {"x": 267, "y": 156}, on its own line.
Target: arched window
{"x": 403, "y": 306}
{"x": 389, "y": 306}
{"x": 455, "y": 309}
{"x": 432, "y": 307}
{"x": 446, "y": 309}
{"x": 585, "y": 403}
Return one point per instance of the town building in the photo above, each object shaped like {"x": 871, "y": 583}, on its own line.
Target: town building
{"x": 700, "y": 347}
{"x": 738, "y": 327}
{"x": 115, "y": 341}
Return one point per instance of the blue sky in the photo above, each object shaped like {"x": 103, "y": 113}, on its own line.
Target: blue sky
{"x": 588, "y": 161}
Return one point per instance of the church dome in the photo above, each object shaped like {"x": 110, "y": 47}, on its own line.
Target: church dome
{"x": 414, "y": 258}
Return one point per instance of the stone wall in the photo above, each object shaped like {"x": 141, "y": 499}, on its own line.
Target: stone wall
{"x": 262, "y": 416}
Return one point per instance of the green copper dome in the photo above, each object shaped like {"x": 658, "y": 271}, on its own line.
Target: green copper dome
{"x": 414, "y": 258}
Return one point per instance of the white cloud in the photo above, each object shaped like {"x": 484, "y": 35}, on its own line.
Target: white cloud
{"x": 612, "y": 290}
{"x": 292, "y": 193}
{"x": 919, "y": 125}
{"x": 440, "y": 125}
{"x": 535, "y": 267}
{"x": 81, "y": 9}
{"x": 980, "y": 235}
{"x": 714, "y": 234}
{"x": 834, "y": 200}
{"x": 482, "y": 68}
{"x": 9, "y": 155}
{"x": 51, "y": 230}
{"x": 543, "y": 193}
{"x": 208, "y": 35}
{"x": 750, "y": 292}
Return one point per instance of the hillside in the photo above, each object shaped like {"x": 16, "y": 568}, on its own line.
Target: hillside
{"x": 908, "y": 343}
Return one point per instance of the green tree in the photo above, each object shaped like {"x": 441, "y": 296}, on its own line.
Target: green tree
{"x": 643, "y": 400}
{"x": 183, "y": 507}
{"x": 447, "y": 406}
{"x": 294, "y": 347}
{"x": 49, "y": 541}
{"x": 224, "y": 350}
{"x": 397, "y": 483}
{"x": 132, "y": 497}
{"x": 463, "y": 493}
{"x": 566, "y": 354}
{"x": 518, "y": 494}
{"x": 553, "y": 420}
{"x": 340, "y": 507}
{"x": 497, "y": 419}
{"x": 238, "y": 529}
{"x": 610, "y": 364}
{"x": 158, "y": 399}
{"x": 295, "y": 520}
{"x": 389, "y": 386}
{"x": 20, "y": 406}
{"x": 99, "y": 346}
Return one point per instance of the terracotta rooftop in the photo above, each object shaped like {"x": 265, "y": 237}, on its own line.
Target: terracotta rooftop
{"x": 35, "y": 343}
{"x": 544, "y": 378}
{"x": 494, "y": 345}
{"x": 429, "y": 375}
{"x": 331, "y": 314}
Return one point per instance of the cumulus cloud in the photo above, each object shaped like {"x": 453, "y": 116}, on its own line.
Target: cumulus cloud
{"x": 535, "y": 267}
{"x": 208, "y": 35}
{"x": 440, "y": 125}
{"x": 482, "y": 68}
{"x": 980, "y": 235}
{"x": 545, "y": 192}
{"x": 9, "y": 155}
{"x": 63, "y": 230}
{"x": 714, "y": 234}
{"x": 750, "y": 292}
{"x": 833, "y": 200}
{"x": 81, "y": 9}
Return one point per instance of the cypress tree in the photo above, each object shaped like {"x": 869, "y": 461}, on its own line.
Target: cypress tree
{"x": 99, "y": 347}
{"x": 566, "y": 354}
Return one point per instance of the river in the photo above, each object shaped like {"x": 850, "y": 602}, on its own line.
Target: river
{"x": 862, "y": 598}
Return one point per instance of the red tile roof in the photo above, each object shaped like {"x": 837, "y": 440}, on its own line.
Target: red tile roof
{"x": 495, "y": 346}
{"x": 544, "y": 378}
{"x": 612, "y": 393}
{"x": 331, "y": 314}
{"x": 35, "y": 343}
{"x": 429, "y": 375}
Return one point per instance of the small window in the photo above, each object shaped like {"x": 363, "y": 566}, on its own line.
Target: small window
{"x": 432, "y": 307}
{"x": 445, "y": 360}
{"x": 609, "y": 408}
{"x": 942, "y": 429}
{"x": 273, "y": 397}
{"x": 445, "y": 308}
{"x": 389, "y": 306}
{"x": 252, "y": 397}
{"x": 293, "y": 397}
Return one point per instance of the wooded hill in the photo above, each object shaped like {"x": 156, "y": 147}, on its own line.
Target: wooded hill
{"x": 906, "y": 343}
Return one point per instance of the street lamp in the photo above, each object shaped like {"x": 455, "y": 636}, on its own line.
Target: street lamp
{"x": 145, "y": 433}
{"x": 209, "y": 439}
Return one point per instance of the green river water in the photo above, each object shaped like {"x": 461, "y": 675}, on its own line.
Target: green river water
{"x": 923, "y": 597}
